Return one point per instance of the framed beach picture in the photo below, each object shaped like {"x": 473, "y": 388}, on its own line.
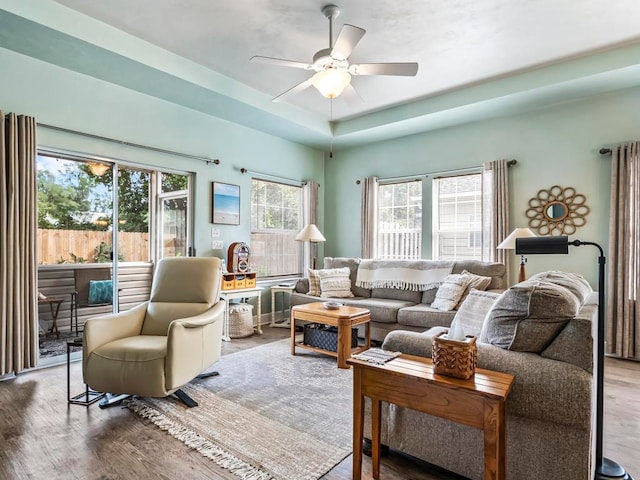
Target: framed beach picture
{"x": 226, "y": 203}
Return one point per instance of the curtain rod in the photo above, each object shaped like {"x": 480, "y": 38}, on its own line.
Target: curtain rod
{"x": 510, "y": 163}
{"x": 208, "y": 161}
{"x": 289, "y": 181}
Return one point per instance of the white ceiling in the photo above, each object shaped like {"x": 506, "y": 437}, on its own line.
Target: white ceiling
{"x": 477, "y": 57}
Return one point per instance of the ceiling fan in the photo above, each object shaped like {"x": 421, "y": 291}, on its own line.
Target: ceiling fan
{"x": 333, "y": 71}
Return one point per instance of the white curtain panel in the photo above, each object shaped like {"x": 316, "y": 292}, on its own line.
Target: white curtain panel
{"x": 18, "y": 280}
{"x": 369, "y": 222}
{"x": 495, "y": 204}
{"x": 623, "y": 317}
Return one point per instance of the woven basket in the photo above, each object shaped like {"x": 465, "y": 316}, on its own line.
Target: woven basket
{"x": 454, "y": 358}
{"x": 240, "y": 320}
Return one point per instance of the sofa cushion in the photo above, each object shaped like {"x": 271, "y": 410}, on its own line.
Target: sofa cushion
{"x": 476, "y": 281}
{"x": 352, "y": 263}
{"x": 382, "y": 310}
{"x": 473, "y": 310}
{"x": 314, "y": 283}
{"x": 572, "y": 281}
{"x": 497, "y": 271}
{"x": 428, "y": 296}
{"x": 424, "y": 316}
{"x": 335, "y": 283}
{"x": 450, "y": 292}
{"x": 397, "y": 294}
{"x": 528, "y": 316}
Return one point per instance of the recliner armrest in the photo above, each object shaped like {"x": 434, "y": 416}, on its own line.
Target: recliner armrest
{"x": 213, "y": 314}
{"x": 107, "y": 328}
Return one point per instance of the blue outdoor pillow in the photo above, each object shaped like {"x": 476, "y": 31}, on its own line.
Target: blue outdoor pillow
{"x": 100, "y": 291}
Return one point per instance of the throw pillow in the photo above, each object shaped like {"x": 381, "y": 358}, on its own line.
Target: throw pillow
{"x": 314, "y": 283}
{"x": 450, "y": 292}
{"x": 529, "y": 316}
{"x": 473, "y": 310}
{"x": 335, "y": 283}
{"x": 100, "y": 291}
{"x": 476, "y": 281}
{"x": 571, "y": 281}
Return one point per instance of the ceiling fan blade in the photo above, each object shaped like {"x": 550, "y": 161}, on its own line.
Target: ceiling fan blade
{"x": 351, "y": 95}
{"x": 298, "y": 88}
{"x": 281, "y": 62}
{"x": 348, "y": 38}
{"x": 402, "y": 69}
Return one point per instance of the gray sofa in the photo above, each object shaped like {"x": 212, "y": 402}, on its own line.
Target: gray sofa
{"x": 399, "y": 308}
{"x": 537, "y": 332}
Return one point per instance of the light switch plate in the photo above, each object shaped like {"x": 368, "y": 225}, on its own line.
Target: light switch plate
{"x": 215, "y": 233}
{"x": 216, "y": 244}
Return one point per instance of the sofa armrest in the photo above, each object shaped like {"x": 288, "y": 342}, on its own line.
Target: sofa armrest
{"x": 302, "y": 285}
{"x": 543, "y": 389}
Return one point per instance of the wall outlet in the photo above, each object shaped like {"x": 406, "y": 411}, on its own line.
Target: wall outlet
{"x": 215, "y": 233}
{"x": 216, "y": 244}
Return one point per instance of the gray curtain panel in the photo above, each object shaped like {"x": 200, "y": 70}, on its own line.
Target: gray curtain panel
{"x": 369, "y": 230}
{"x": 495, "y": 192}
{"x": 623, "y": 318}
{"x": 18, "y": 280}
{"x": 310, "y": 192}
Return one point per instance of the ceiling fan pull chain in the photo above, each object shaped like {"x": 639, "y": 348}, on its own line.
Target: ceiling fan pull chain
{"x": 331, "y": 123}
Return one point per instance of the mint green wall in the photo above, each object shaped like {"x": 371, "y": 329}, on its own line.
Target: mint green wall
{"x": 557, "y": 145}
{"x": 60, "y": 97}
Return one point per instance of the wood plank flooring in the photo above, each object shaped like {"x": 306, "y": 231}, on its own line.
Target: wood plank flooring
{"x": 44, "y": 438}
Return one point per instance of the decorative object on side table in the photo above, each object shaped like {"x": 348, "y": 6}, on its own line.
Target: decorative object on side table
{"x": 509, "y": 243}
{"x": 605, "y": 469}
{"x": 557, "y": 211}
{"x": 455, "y": 358}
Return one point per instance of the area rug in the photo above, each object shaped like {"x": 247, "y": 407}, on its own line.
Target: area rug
{"x": 269, "y": 415}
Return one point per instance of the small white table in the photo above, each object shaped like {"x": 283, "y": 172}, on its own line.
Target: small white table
{"x": 240, "y": 293}
{"x": 280, "y": 289}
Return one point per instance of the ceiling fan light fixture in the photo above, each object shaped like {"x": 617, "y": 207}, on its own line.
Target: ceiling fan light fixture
{"x": 98, "y": 169}
{"x": 330, "y": 82}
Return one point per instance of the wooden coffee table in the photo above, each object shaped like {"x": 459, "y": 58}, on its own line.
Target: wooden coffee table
{"x": 408, "y": 381}
{"x": 345, "y": 318}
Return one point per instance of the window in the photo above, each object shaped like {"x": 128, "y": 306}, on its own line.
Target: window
{"x": 276, "y": 219}
{"x": 457, "y": 217}
{"x": 400, "y": 220}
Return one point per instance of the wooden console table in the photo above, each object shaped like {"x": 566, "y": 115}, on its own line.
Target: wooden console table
{"x": 408, "y": 381}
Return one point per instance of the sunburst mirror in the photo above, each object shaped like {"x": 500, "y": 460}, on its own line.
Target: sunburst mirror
{"x": 557, "y": 211}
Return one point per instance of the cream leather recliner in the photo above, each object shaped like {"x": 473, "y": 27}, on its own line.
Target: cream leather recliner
{"x": 158, "y": 346}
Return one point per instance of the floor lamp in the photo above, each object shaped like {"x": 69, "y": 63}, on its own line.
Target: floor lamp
{"x": 311, "y": 234}
{"x": 605, "y": 469}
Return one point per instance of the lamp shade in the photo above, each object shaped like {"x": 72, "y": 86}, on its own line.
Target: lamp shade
{"x": 537, "y": 245}
{"x": 310, "y": 233}
{"x": 509, "y": 243}
{"x": 331, "y": 81}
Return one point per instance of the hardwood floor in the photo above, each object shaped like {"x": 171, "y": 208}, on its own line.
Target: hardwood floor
{"x": 44, "y": 438}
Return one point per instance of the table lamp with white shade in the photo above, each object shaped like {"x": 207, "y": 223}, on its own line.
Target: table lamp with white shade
{"x": 311, "y": 234}
{"x": 509, "y": 243}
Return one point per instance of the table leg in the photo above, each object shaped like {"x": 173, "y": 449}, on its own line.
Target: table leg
{"x": 358, "y": 423}
{"x": 344, "y": 345}
{"x": 367, "y": 334}
{"x": 259, "y": 313}
{"x": 68, "y": 373}
{"x": 273, "y": 308}
{"x": 54, "y": 317}
{"x": 293, "y": 334}
{"x": 225, "y": 323}
{"x": 494, "y": 440}
{"x": 375, "y": 437}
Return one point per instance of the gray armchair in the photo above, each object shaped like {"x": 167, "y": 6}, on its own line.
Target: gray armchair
{"x": 157, "y": 347}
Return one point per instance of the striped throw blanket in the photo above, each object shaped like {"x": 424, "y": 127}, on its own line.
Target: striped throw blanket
{"x": 416, "y": 275}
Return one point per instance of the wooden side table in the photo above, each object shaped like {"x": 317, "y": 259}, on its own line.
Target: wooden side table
{"x": 408, "y": 381}
{"x": 54, "y": 307}
{"x": 345, "y": 318}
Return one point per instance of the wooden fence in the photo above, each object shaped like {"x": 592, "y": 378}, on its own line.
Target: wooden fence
{"x": 62, "y": 246}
